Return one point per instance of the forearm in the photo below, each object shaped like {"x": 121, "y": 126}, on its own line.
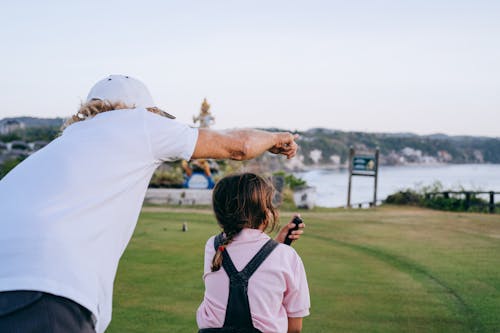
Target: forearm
{"x": 257, "y": 142}
{"x": 243, "y": 144}
{"x": 294, "y": 325}
{"x": 253, "y": 143}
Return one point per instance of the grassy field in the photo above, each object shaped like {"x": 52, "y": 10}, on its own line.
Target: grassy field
{"x": 390, "y": 269}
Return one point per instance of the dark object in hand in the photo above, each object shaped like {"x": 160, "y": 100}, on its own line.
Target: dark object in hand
{"x": 297, "y": 220}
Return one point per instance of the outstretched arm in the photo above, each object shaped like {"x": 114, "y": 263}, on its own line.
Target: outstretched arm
{"x": 243, "y": 144}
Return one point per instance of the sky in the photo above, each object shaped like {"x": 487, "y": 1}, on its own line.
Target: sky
{"x": 423, "y": 66}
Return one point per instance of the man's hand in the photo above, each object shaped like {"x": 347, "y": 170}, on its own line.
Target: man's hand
{"x": 285, "y": 144}
{"x": 295, "y": 235}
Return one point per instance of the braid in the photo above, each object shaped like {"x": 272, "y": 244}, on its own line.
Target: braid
{"x": 217, "y": 260}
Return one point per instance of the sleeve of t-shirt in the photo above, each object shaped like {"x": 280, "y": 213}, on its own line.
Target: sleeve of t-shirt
{"x": 209, "y": 255}
{"x": 169, "y": 139}
{"x": 296, "y": 299}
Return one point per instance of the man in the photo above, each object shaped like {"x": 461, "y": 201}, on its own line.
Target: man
{"x": 69, "y": 210}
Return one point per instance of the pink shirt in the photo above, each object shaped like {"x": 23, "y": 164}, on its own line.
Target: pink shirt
{"x": 277, "y": 290}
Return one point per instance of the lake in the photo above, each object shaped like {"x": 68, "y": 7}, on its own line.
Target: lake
{"x": 331, "y": 185}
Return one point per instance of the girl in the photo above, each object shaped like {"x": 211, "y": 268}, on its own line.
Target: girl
{"x": 252, "y": 283}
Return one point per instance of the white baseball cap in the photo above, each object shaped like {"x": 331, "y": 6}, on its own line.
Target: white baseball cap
{"x": 125, "y": 89}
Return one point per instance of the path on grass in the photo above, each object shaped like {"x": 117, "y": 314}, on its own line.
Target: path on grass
{"x": 419, "y": 273}
{"x": 471, "y": 226}
{"x": 177, "y": 209}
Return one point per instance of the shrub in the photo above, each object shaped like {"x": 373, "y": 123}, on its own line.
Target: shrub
{"x": 406, "y": 197}
{"x": 167, "y": 179}
{"x": 456, "y": 203}
{"x": 8, "y": 165}
{"x": 290, "y": 180}
{"x": 432, "y": 197}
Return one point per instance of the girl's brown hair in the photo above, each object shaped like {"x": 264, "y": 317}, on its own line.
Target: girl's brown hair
{"x": 242, "y": 201}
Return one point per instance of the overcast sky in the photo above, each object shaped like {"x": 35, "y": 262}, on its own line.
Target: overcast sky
{"x": 423, "y": 66}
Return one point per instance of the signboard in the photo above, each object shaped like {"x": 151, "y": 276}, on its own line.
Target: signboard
{"x": 363, "y": 163}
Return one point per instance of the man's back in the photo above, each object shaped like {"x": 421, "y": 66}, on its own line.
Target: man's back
{"x": 69, "y": 210}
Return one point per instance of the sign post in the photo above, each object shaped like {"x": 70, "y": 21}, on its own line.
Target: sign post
{"x": 363, "y": 165}
{"x": 351, "y": 156}
{"x": 376, "y": 178}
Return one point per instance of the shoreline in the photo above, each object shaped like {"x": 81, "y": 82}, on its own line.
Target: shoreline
{"x": 328, "y": 167}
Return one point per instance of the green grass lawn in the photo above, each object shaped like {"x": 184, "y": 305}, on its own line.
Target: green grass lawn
{"x": 388, "y": 269}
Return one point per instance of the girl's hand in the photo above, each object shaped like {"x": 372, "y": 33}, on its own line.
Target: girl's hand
{"x": 295, "y": 235}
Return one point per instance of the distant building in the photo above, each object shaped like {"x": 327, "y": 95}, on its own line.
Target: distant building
{"x": 392, "y": 158}
{"x": 37, "y": 145}
{"x": 478, "y": 156}
{"x": 410, "y": 152}
{"x": 19, "y": 145}
{"x": 315, "y": 155}
{"x": 3, "y": 147}
{"x": 335, "y": 159}
{"x": 10, "y": 126}
{"x": 429, "y": 160}
{"x": 444, "y": 156}
{"x": 296, "y": 163}
{"x": 411, "y": 155}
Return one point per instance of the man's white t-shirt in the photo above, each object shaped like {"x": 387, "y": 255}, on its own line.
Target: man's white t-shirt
{"x": 69, "y": 210}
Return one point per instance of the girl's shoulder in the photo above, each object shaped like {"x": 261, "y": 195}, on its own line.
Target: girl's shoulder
{"x": 286, "y": 260}
{"x": 286, "y": 253}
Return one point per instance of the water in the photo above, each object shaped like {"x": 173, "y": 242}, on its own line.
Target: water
{"x": 331, "y": 185}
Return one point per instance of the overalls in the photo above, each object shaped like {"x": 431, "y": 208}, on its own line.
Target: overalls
{"x": 238, "y": 316}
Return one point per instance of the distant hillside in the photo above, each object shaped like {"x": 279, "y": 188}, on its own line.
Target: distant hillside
{"x": 324, "y": 146}
{"x": 327, "y": 148}
{"x": 29, "y": 129}
{"x": 35, "y": 122}
{"x": 321, "y": 147}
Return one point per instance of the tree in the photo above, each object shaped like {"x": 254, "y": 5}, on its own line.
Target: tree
{"x": 9, "y": 165}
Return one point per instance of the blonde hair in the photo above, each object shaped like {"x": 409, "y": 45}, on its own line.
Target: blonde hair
{"x": 94, "y": 107}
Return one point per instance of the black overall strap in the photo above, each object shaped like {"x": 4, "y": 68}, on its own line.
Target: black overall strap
{"x": 259, "y": 258}
{"x": 238, "y": 315}
{"x": 226, "y": 263}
